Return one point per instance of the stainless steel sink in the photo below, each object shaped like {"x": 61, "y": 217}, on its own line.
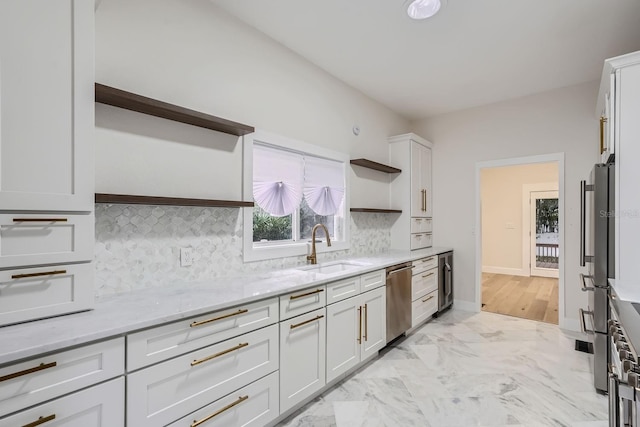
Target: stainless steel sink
{"x": 332, "y": 267}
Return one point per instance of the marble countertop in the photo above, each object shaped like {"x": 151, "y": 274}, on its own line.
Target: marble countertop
{"x": 119, "y": 314}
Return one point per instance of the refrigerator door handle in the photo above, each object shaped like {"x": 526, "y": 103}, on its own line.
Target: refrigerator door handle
{"x": 583, "y": 326}
{"x": 583, "y": 222}
{"x": 586, "y": 288}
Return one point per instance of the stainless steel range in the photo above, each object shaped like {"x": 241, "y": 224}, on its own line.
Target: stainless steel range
{"x": 598, "y": 251}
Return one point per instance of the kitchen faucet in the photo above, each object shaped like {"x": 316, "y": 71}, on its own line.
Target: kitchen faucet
{"x": 313, "y": 257}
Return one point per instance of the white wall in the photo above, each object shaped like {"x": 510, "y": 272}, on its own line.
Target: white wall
{"x": 501, "y": 190}
{"x": 556, "y": 121}
{"x": 191, "y": 53}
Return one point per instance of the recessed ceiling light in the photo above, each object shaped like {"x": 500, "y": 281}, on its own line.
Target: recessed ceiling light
{"x": 422, "y": 9}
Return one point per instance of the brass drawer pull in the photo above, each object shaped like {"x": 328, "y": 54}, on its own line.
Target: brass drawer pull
{"x": 39, "y": 219}
{"x": 40, "y": 367}
{"x": 44, "y": 273}
{"x": 366, "y": 323}
{"x": 317, "y": 291}
{"x": 360, "y": 325}
{"x": 307, "y": 321}
{"x": 41, "y": 420}
{"x": 427, "y": 275}
{"x": 241, "y": 399}
{"x": 427, "y": 259}
{"x": 603, "y": 120}
{"x": 427, "y": 299}
{"x": 204, "y": 322}
{"x": 222, "y": 353}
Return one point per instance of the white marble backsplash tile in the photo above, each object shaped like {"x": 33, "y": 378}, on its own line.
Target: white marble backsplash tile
{"x": 138, "y": 246}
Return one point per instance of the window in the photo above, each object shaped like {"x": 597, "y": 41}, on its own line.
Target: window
{"x": 294, "y": 186}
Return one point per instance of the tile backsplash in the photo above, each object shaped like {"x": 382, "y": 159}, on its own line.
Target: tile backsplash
{"x": 138, "y": 246}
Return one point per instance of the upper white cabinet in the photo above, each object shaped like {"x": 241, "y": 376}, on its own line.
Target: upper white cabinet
{"x": 46, "y": 105}
{"x": 619, "y": 100}
{"x": 412, "y": 191}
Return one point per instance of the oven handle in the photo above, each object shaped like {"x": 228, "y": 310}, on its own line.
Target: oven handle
{"x": 614, "y": 406}
{"x": 583, "y": 222}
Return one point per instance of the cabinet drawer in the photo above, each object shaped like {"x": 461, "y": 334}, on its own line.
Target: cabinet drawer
{"x": 28, "y": 383}
{"x": 158, "y": 344}
{"x": 165, "y": 392}
{"x": 39, "y": 239}
{"x": 423, "y": 308}
{"x": 300, "y": 302}
{"x": 343, "y": 289}
{"x": 34, "y": 293}
{"x": 373, "y": 280}
{"x": 425, "y": 264}
{"x": 420, "y": 240}
{"x": 253, "y": 405}
{"x": 98, "y": 406}
{"x": 421, "y": 225}
{"x": 424, "y": 283}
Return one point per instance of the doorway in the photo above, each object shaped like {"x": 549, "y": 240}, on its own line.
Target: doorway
{"x": 519, "y": 255}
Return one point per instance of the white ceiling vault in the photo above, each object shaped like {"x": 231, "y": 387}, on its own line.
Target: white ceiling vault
{"x": 473, "y": 52}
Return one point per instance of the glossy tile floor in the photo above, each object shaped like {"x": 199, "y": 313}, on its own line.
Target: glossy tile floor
{"x": 468, "y": 369}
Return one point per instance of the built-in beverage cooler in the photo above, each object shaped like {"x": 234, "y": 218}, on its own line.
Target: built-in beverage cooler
{"x": 445, "y": 278}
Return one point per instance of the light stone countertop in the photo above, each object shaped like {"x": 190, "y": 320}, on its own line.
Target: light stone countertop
{"x": 623, "y": 297}
{"x": 116, "y": 315}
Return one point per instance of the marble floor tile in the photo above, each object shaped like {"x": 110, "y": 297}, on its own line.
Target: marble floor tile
{"x": 467, "y": 369}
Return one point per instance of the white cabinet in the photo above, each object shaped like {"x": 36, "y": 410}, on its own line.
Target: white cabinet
{"x": 356, "y": 330}
{"x": 302, "y": 357}
{"x": 619, "y": 100}
{"x": 98, "y": 406}
{"x": 424, "y": 289}
{"x": 412, "y": 191}
{"x": 46, "y": 105}
{"x": 301, "y": 302}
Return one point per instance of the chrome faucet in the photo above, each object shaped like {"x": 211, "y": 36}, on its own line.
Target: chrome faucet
{"x": 313, "y": 257}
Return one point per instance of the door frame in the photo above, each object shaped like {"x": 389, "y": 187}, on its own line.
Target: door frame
{"x": 544, "y": 158}
{"x": 541, "y": 272}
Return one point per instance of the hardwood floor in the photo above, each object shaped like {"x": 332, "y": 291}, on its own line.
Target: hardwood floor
{"x": 534, "y": 298}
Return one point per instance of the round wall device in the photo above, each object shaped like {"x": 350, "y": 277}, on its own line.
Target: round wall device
{"x": 356, "y": 130}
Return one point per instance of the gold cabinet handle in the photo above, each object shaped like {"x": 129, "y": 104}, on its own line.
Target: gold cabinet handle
{"x": 213, "y": 319}
{"x": 427, "y": 260}
{"x": 360, "y": 325}
{"x": 40, "y": 367}
{"x": 366, "y": 323}
{"x": 241, "y": 399}
{"x": 222, "y": 353}
{"x": 307, "y": 321}
{"x": 603, "y": 120}
{"x": 39, "y": 219}
{"x": 425, "y": 200}
{"x": 427, "y": 299}
{"x": 41, "y": 420}
{"x": 44, "y": 273}
{"x": 427, "y": 275}
{"x": 317, "y": 291}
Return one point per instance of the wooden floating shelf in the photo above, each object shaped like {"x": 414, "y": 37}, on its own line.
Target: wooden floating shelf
{"x": 127, "y": 199}
{"x": 370, "y": 164}
{"x": 375, "y": 210}
{"x": 153, "y": 107}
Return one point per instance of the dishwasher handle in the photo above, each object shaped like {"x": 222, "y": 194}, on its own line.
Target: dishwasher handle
{"x": 409, "y": 267}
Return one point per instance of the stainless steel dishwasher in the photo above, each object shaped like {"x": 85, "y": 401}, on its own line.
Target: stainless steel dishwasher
{"x": 398, "y": 300}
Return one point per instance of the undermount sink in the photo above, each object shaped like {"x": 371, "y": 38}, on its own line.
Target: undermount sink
{"x": 332, "y": 267}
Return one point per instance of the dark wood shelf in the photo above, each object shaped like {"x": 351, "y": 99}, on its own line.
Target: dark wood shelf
{"x": 375, "y": 166}
{"x": 375, "y": 210}
{"x": 127, "y": 199}
{"x": 134, "y": 102}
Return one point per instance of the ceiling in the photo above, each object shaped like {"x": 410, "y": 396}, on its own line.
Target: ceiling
{"x": 473, "y": 52}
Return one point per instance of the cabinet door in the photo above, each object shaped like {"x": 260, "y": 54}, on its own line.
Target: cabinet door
{"x": 374, "y": 322}
{"x": 98, "y": 406}
{"x": 417, "y": 190}
{"x": 425, "y": 172}
{"x": 46, "y": 105}
{"x": 302, "y": 357}
{"x": 344, "y": 333}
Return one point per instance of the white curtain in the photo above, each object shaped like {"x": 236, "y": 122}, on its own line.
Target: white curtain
{"x": 323, "y": 185}
{"x": 278, "y": 178}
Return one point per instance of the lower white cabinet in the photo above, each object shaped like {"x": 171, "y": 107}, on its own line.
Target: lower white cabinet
{"x": 356, "y": 330}
{"x": 166, "y": 392}
{"x": 302, "y": 357}
{"x": 423, "y": 308}
{"x": 254, "y": 405}
{"x": 98, "y": 406}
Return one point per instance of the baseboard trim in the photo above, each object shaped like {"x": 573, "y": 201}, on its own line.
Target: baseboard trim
{"x": 505, "y": 270}
{"x": 465, "y": 305}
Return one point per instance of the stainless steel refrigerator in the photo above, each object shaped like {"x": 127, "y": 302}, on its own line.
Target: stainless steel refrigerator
{"x": 597, "y": 250}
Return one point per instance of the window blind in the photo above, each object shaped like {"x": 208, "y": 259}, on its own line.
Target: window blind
{"x": 278, "y": 178}
{"x": 323, "y": 185}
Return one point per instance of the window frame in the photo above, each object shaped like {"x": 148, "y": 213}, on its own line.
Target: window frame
{"x": 275, "y": 250}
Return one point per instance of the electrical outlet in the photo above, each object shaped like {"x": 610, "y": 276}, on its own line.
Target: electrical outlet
{"x": 186, "y": 257}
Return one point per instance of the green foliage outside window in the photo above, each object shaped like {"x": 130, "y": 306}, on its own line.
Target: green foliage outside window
{"x": 269, "y": 228}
